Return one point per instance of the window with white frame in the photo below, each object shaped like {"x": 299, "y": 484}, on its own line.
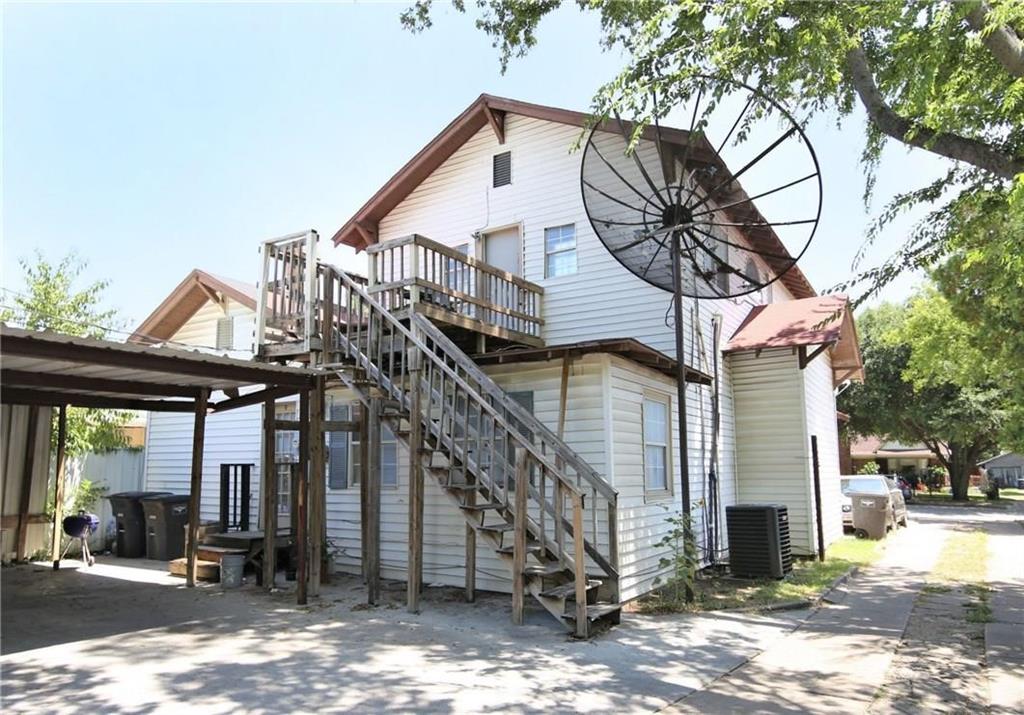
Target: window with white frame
{"x": 656, "y": 444}
{"x": 343, "y": 465}
{"x": 559, "y": 251}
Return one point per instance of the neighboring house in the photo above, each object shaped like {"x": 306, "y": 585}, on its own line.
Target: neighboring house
{"x": 491, "y": 208}
{"x": 1006, "y": 470}
{"x": 891, "y": 457}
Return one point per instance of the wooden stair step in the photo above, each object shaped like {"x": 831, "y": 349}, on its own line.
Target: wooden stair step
{"x": 595, "y": 611}
{"x": 550, "y": 569}
{"x": 214, "y": 554}
{"x": 205, "y": 570}
{"x": 531, "y": 548}
{"x": 483, "y": 507}
{"x": 462, "y": 487}
{"x": 496, "y": 528}
{"x": 568, "y": 590}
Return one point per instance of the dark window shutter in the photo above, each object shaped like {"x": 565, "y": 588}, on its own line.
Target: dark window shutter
{"x": 337, "y": 450}
{"x": 502, "y": 169}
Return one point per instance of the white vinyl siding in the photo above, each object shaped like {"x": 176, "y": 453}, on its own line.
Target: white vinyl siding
{"x": 820, "y": 406}
{"x": 773, "y": 450}
{"x": 202, "y": 329}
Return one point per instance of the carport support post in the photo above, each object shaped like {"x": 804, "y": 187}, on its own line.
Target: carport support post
{"x": 269, "y": 494}
{"x": 195, "y": 491}
{"x": 371, "y": 548}
{"x": 301, "y": 534}
{"x": 58, "y": 487}
{"x": 815, "y": 466}
{"x": 317, "y": 486}
{"x": 414, "y": 583}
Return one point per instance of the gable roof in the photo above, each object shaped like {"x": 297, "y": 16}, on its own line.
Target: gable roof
{"x": 188, "y": 297}
{"x": 820, "y": 320}
{"x": 360, "y": 230}
{"x": 1006, "y": 459}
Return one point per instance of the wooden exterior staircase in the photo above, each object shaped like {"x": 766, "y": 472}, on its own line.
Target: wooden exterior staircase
{"x": 547, "y": 514}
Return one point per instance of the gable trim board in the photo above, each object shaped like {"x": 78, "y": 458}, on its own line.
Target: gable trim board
{"x": 363, "y": 228}
{"x": 197, "y": 290}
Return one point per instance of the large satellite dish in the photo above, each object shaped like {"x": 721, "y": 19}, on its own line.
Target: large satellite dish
{"x": 673, "y": 199}
{"x": 690, "y": 178}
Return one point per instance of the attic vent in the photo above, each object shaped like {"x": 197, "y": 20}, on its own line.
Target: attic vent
{"x": 502, "y": 169}
{"x": 225, "y": 333}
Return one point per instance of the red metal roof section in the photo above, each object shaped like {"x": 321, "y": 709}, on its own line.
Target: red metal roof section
{"x": 360, "y": 230}
{"x": 819, "y": 320}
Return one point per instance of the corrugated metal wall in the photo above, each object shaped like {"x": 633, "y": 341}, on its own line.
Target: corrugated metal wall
{"x": 118, "y": 471}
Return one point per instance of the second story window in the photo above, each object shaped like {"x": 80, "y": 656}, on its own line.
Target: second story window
{"x": 559, "y": 251}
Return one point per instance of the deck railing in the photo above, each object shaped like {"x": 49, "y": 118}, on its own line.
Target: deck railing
{"x": 417, "y": 275}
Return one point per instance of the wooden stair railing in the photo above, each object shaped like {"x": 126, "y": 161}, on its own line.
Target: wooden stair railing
{"x": 475, "y": 441}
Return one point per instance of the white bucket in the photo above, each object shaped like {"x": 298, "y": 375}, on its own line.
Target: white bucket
{"x": 231, "y": 568}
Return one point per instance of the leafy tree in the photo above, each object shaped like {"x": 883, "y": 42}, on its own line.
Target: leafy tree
{"x": 869, "y": 468}
{"x": 52, "y": 301}
{"x": 911, "y": 354}
{"x": 936, "y": 75}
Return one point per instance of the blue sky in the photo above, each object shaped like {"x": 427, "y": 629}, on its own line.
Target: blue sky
{"x": 155, "y": 138}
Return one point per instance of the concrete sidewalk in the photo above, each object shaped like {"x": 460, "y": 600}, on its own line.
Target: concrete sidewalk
{"x": 838, "y": 658}
{"x": 1004, "y": 637}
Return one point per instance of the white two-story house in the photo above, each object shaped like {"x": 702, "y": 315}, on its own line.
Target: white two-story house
{"x": 490, "y": 213}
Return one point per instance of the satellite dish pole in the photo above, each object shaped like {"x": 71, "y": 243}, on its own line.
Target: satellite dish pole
{"x": 696, "y": 232}
{"x": 684, "y": 451}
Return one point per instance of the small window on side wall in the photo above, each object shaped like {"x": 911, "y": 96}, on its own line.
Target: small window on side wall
{"x": 225, "y": 333}
{"x": 502, "y": 169}
{"x": 657, "y": 462}
{"x": 559, "y": 251}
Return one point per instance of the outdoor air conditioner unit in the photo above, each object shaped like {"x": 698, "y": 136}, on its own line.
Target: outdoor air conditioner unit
{"x": 759, "y": 540}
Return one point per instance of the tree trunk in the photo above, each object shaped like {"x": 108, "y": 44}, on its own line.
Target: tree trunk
{"x": 959, "y": 470}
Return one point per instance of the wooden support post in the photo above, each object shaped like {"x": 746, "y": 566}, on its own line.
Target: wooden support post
{"x": 300, "y": 505}
{"x": 372, "y": 486}
{"x": 269, "y": 494}
{"x": 519, "y": 543}
{"x": 317, "y": 486}
{"x": 196, "y": 487}
{"x": 364, "y": 468}
{"x": 415, "y": 567}
{"x": 580, "y": 557}
{"x": 58, "y": 487}
{"x": 470, "y": 563}
{"x": 32, "y": 430}
{"x": 563, "y": 395}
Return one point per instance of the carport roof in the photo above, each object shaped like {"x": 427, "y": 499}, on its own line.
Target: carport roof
{"x": 46, "y": 368}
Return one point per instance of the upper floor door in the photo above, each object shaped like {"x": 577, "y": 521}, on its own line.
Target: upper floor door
{"x": 504, "y": 249}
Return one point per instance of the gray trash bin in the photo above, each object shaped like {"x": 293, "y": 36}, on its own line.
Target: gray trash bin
{"x": 232, "y": 567}
{"x": 870, "y": 515}
{"x": 131, "y": 522}
{"x": 166, "y": 517}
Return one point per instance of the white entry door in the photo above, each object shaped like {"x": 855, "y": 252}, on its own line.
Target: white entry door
{"x": 503, "y": 249}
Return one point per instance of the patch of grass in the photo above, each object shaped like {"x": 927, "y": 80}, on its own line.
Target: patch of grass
{"x": 936, "y": 588}
{"x": 979, "y": 610}
{"x": 964, "y": 558}
{"x": 1012, "y": 494}
{"x": 944, "y": 497}
{"x": 808, "y": 580}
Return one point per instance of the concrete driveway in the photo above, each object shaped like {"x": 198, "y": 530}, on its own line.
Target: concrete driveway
{"x": 125, "y": 637}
